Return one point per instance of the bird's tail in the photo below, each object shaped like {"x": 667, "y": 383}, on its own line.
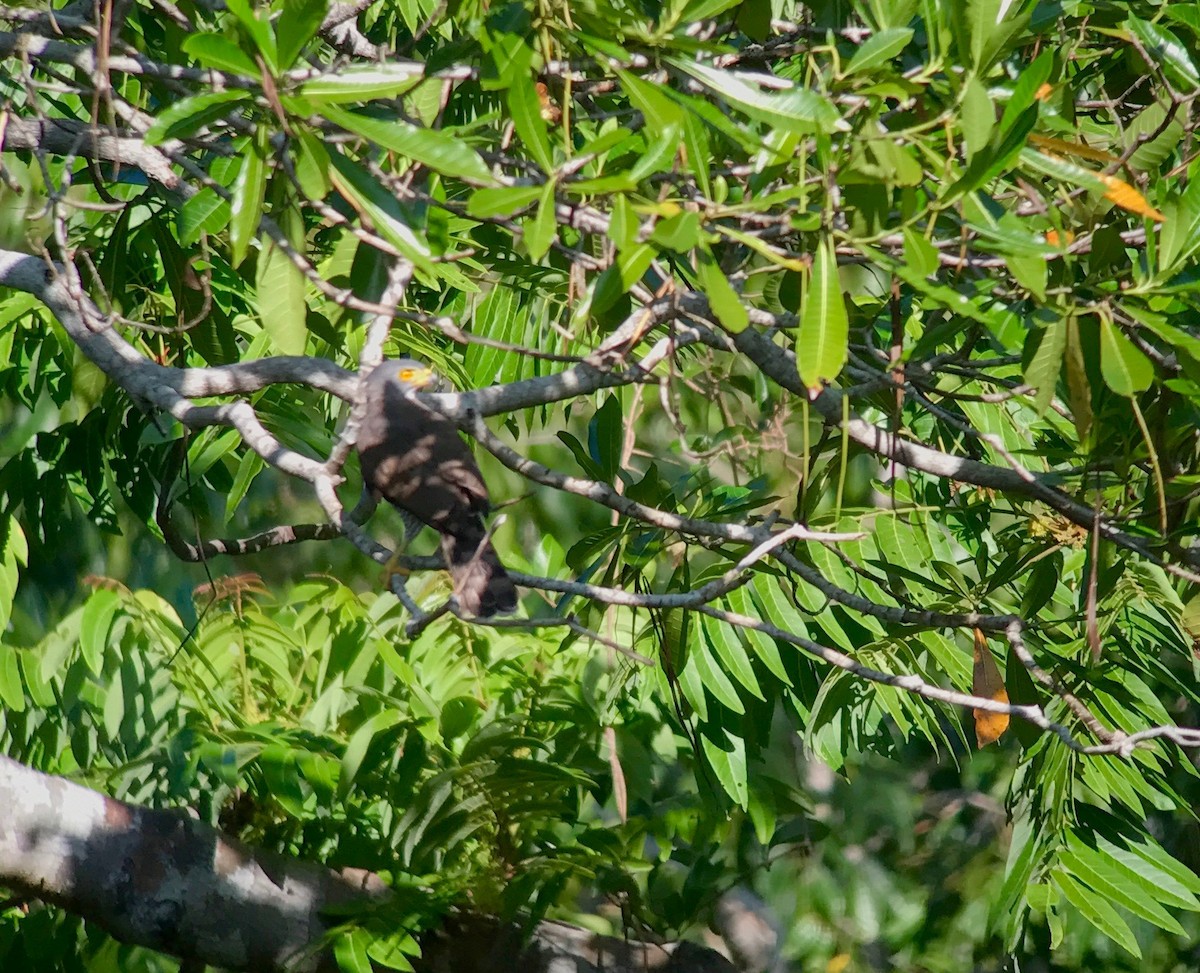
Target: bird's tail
{"x": 481, "y": 584}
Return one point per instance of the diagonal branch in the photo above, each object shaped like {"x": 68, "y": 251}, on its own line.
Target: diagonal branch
{"x": 162, "y": 879}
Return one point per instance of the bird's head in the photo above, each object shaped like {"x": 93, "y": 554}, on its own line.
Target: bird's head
{"x": 406, "y": 374}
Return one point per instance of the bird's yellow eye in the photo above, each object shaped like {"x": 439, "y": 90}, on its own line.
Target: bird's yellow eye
{"x": 406, "y": 374}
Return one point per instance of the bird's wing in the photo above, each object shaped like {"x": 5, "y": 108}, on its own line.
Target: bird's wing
{"x": 415, "y": 458}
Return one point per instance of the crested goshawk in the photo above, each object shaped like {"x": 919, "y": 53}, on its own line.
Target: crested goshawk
{"x": 414, "y": 457}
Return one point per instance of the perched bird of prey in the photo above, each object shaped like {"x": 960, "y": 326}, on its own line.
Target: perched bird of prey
{"x": 415, "y": 458}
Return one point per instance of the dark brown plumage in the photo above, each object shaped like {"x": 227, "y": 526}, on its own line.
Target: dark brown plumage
{"x": 415, "y": 458}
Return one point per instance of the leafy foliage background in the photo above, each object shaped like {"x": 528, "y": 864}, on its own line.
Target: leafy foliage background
{"x": 976, "y": 226}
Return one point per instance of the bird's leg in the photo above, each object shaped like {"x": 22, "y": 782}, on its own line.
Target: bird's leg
{"x": 364, "y": 508}
{"x": 393, "y": 568}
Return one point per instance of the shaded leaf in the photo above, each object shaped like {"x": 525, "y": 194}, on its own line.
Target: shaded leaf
{"x": 987, "y": 682}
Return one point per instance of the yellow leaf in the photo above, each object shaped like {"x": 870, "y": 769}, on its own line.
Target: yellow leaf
{"x": 1073, "y": 148}
{"x": 987, "y": 682}
{"x": 1125, "y": 196}
{"x": 1052, "y": 237}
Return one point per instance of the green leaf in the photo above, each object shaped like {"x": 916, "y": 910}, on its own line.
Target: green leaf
{"x": 282, "y": 777}
{"x": 258, "y": 29}
{"x": 249, "y": 466}
{"x": 526, "y": 113}
{"x": 1125, "y": 369}
{"x": 1029, "y": 270}
{"x": 1168, "y": 52}
{"x": 1164, "y": 137}
{"x": 988, "y": 163}
{"x": 606, "y": 438}
{"x": 540, "y": 231}
{"x": 95, "y": 625}
{"x": 1046, "y": 364}
{"x": 659, "y": 111}
{"x": 312, "y": 164}
{"x": 824, "y": 334}
{"x": 713, "y": 678}
{"x": 1151, "y": 862}
{"x": 761, "y": 643}
{"x": 383, "y": 210}
{"x": 1179, "y": 237}
{"x": 350, "y": 951}
{"x": 360, "y": 742}
{"x": 280, "y": 285}
{"x": 692, "y": 687}
{"x": 1025, "y": 92}
{"x": 993, "y": 24}
{"x": 296, "y": 27}
{"x": 622, "y": 223}
{"x": 14, "y": 553}
{"x": 1097, "y": 872}
{"x": 705, "y": 9}
{"x": 919, "y": 253}
{"x": 216, "y": 51}
{"x": 696, "y": 145}
{"x": 40, "y": 691}
{"x": 502, "y": 201}
{"x": 731, "y": 653}
{"x": 1079, "y": 389}
{"x": 977, "y": 117}
{"x": 1059, "y": 168}
{"x": 437, "y": 150}
{"x": 1098, "y": 912}
{"x": 249, "y": 190}
{"x": 659, "y": 154}
{"x": 185, "y": 117}
{"x": 729, "y": 765}
{"x": 725, "y": 302}
{"x": 205, "y": 212}
{"x": 363, "y": 83}
{"x": 798, "y": 110}
{"x": 878, "y": 48}
{"x": 680, "y": 232}
{"x": 12, "y": 691}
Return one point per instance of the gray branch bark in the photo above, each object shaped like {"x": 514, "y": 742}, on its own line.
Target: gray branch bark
{"x": 64, "y": 136}
{"x": 164, "y": 880}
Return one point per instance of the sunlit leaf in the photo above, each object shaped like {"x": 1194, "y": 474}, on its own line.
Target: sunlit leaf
{"x": 1126, "y": 370}
{"x": 217, "y": 51}
{"x": 540, "y": 230}
{"x": 363, "y": 83}
{"x": 879, "y": 48}
{"x": 296, "y": 27}
{"x": 526, "y": 113}
{"x": 796, "y": 109}
{"x": 1125, "y": 196}
{"x": 723, "y": 299}
{"x": 249, "y": 191}
{"x": 439, "y": 151}
{"x": 824, "y": 324}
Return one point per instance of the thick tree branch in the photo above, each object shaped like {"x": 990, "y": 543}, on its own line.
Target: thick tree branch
{"x": 162, "y": 879}
{"x": 64, "y": 136}
{"x": 165, "y": 880}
